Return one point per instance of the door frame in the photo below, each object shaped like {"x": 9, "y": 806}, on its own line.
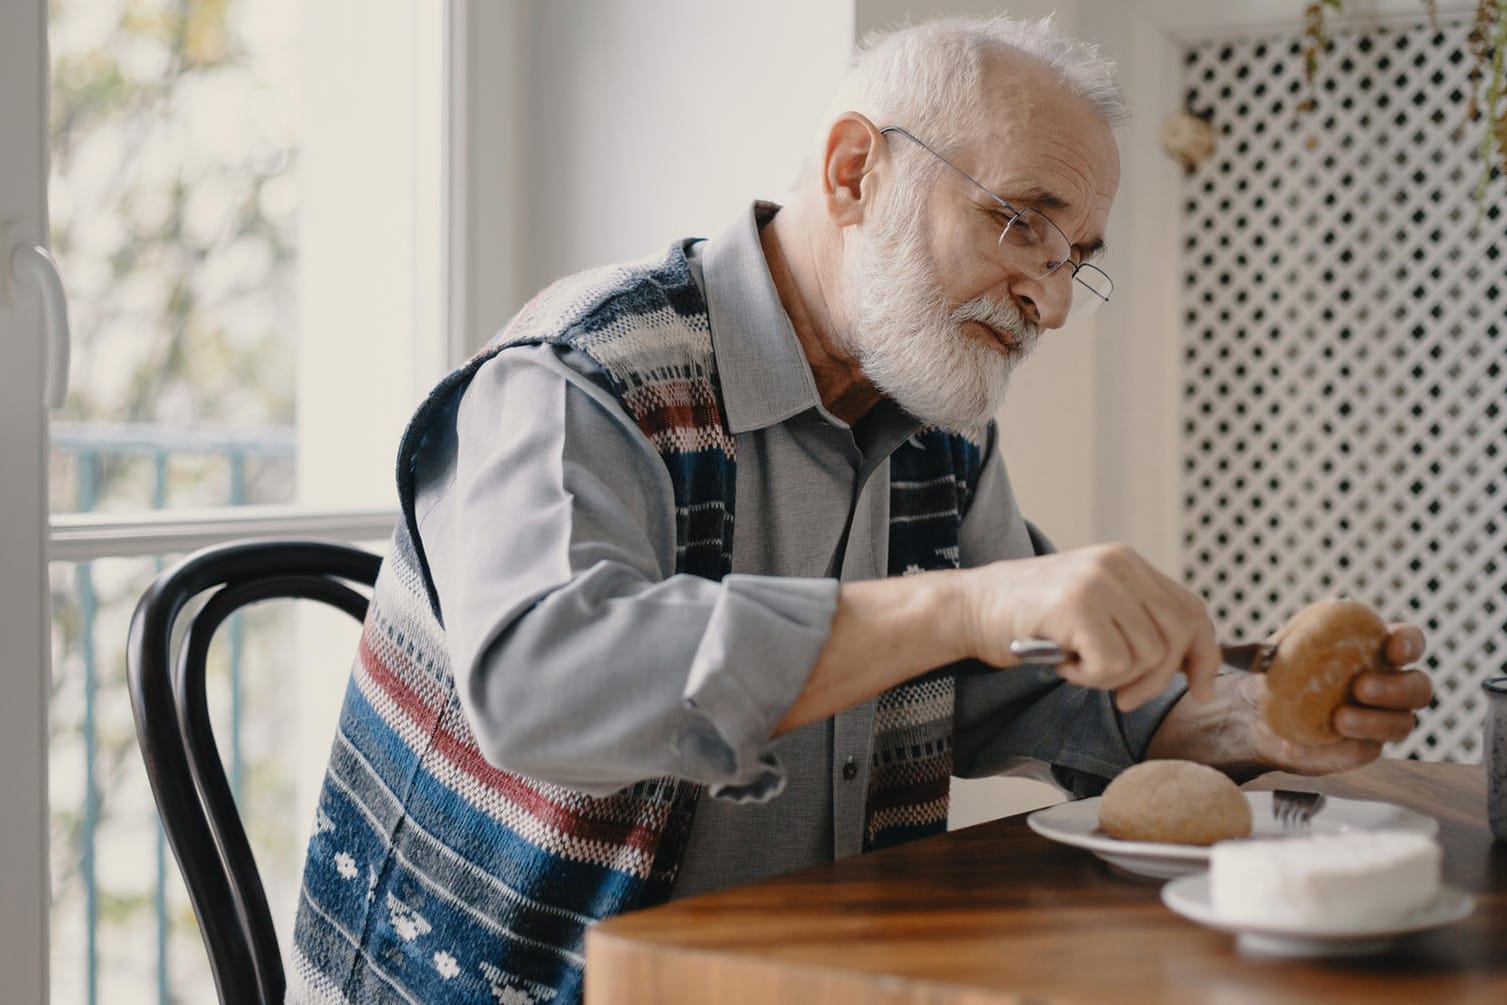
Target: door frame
{"x": 24, "y": 594}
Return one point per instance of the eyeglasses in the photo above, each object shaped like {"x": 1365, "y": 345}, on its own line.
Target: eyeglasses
{"x": 1030, "y": 242}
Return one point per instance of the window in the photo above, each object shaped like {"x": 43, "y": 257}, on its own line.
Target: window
{"x": 247, "y": 206}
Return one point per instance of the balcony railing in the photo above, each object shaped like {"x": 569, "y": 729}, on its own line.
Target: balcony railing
{"x": 86, "y": 448}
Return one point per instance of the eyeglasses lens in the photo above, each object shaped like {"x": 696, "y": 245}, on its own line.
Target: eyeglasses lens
{"x": 1034, "y": 245}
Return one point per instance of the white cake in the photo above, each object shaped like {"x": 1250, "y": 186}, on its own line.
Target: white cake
{"x": 1324, "y": 880}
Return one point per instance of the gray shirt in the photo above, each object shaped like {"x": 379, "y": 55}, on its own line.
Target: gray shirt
{"x": 582, "y": 659}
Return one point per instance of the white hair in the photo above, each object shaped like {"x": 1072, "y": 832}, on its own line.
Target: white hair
{"x": 928, "y": 76}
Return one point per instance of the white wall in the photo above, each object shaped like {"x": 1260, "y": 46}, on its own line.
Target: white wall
{"x": 490, "y": 41}
{"x": 635, "y": 124}
{"x": 368, "y": 262}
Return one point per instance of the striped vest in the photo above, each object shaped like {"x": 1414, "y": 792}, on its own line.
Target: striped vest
{"x": 433, "y": 876}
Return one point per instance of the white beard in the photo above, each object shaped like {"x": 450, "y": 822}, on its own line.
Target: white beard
{"x": 911, "y": 345}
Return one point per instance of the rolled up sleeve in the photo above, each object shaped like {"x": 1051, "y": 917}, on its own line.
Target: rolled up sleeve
{"x": 581, "y": 657}
{"x": 760, "y": 642}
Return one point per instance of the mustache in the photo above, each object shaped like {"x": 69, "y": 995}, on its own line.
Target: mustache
{"x": 1003, "y": 317}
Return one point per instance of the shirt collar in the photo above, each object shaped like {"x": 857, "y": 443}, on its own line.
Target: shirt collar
{"x": 765, "y": 376}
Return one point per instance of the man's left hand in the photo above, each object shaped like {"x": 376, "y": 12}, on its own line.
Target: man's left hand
{"x": 1229, "y": 733}
{"x": 1382, "y": 709}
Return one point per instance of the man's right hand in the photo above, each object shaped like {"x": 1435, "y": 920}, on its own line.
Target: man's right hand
{"x": 1131, "y": 627}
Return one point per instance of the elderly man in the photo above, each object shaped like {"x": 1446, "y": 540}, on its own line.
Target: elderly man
{"x": 585, "y": 687}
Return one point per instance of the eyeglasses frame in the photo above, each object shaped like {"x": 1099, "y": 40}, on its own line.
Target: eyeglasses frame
{"x": 1015, "y": 215}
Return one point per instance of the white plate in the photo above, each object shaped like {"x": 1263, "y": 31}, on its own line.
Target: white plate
{"x": 1077, "y": 823}
{"x": 1189, "y": 896}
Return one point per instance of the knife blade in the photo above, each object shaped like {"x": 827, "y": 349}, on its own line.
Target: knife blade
{"x": 1253, "y": 657}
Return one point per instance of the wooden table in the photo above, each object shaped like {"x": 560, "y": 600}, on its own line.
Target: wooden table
{"x": 995, "y": 913}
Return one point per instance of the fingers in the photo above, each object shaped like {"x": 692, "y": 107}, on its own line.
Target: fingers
{"x": 1385, "y": 701}
{"x": 1189, "y": 645}
{"x": 1188, "y": 635}
{"x": 1393, "y": 689}
{"x": 1386, "y": 704}
{"x": 1405, "y": 644}
{"x": 1145, "y": 639}
{"x": 1382, "y": 710}
{"x": 1144, "y": 688}
{"x": 1116, "y": 646}
{"x": 1160, "y": 629}
{"x": 1151, "y": 666}
{"x": 1131, "y": 628}
{"x": 1202, "y": 662}
{"x": 1376, "y": 724}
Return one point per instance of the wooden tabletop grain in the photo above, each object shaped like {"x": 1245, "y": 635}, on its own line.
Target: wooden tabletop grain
{"x": 995, "y": 913}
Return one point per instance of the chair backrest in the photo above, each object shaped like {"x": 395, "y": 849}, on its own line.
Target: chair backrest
{"x": 198, "y": 811}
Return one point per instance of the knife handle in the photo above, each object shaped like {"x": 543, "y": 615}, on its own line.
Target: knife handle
{"x": 1040, "y": 651}
{"x": 1253, "y": 657}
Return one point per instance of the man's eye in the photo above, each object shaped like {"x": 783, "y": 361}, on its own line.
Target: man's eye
{"x": 1028, "y": 229}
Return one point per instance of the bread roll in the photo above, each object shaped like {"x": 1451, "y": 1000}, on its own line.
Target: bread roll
{"x": 1319, "y": 652}
{"x": 1173, "y": 801}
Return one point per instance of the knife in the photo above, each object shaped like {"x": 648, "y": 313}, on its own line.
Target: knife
{"x": 1254, "y": 657}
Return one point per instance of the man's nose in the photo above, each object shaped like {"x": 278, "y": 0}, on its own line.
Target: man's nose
{"x": 1048, "y": 300}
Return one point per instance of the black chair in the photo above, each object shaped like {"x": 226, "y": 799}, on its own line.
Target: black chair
{"x": 177, "y": 742}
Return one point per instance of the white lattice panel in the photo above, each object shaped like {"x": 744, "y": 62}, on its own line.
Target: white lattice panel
{"x": 1345, "y": 335}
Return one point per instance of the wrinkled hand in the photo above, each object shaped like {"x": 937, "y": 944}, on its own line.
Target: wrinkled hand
{"x": 1131, "y": 627}
{"x": 1382, "y": 709}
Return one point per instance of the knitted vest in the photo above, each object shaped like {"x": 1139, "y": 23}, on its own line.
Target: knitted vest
{"x": 433, "y": 876}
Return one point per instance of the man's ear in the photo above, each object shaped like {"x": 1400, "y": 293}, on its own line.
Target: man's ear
{"x": 854, "y": 147}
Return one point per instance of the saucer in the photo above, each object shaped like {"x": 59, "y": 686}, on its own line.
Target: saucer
{"x": 1189, "y": 897}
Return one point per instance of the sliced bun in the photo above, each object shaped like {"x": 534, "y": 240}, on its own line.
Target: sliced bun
{"x": 1319, "y": 652}
{"x": 1180, "y": 802}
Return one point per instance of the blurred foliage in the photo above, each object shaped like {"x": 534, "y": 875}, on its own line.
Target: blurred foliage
{"x": 1487, "y": 45}
{"x": 173, "y": 199}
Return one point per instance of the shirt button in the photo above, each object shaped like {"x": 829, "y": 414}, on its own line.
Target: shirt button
{"x": 849, "y": 771}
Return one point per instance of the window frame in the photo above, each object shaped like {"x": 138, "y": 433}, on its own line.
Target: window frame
{"x": 25, "y": 618}
{"x": 31, "y": 539}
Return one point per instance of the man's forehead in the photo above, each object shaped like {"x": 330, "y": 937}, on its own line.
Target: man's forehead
{"x": 1019, "y": 92}
{"x": 1066, "y": 171}
{"x": 1041, "y": 139}
{"x": 1067, "y": 180}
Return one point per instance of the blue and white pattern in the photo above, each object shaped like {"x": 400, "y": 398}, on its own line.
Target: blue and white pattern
{"x": 432, "y": 876}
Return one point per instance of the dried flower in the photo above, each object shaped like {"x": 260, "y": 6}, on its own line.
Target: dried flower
{"x": 1189, "y": 138}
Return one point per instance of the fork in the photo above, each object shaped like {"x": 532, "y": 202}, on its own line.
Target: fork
{"x": 1294, "y": 810}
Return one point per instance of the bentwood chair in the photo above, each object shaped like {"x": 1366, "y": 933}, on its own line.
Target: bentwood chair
{"x": 173, "y": 730}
